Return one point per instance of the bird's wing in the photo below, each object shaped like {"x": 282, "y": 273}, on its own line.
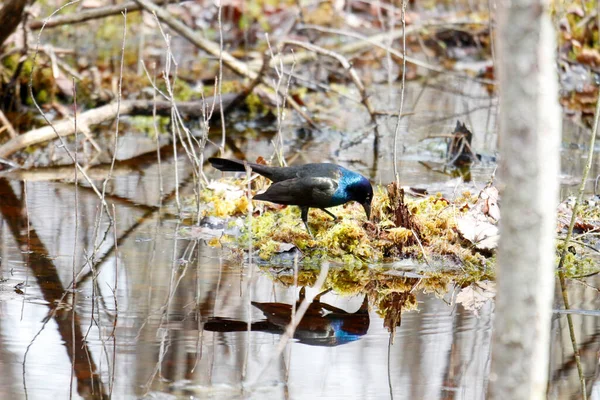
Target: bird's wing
{"x": 322, "y": 170}
{"x": 310, "y": 192}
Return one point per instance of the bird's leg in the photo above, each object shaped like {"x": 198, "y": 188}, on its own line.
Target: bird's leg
{"x": 304, "y": 215}
{"x": 330, "y": 214}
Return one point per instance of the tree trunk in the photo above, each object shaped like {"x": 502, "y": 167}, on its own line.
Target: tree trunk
{"x": 11, "y": 15}
{"x": 529, "y": 145}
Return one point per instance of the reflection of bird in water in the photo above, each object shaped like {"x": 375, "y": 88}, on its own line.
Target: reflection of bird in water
{"x": 321, "y": 325}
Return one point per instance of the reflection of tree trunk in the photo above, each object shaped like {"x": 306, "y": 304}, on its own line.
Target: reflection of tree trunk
{"x": 89, "y": 384}
{"x": 10, "y": 17}
{"x": 529, "y": 147}
{"x": 452, "y": 374}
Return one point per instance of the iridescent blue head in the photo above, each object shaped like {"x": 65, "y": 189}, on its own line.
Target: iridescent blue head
{"x": 354, "y": 186}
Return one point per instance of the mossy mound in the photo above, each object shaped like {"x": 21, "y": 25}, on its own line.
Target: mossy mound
{"x": 432, "y": 237}
{"x": 351, "y": 240}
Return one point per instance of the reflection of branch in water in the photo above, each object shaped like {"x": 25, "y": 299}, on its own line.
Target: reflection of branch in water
{"x": 177, "y": 275}
{"x": 590, "y": 345}
{"x": 46, "y": 274}
{"x": 150, "y": 211}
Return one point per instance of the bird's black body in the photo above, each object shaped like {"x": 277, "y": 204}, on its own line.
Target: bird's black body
{"x": 307, "y": 186}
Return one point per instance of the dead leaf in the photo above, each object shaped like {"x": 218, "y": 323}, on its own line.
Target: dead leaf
{"x": 576, "y": 10}
{"x": 483, "y": 234}
{"x": 490, "y": 196}
{"x": 285, "y": 247}
{"x": 589, "y": 56}
{"x": 473, "y": 297}
{"x": 478, "y": 225}
{"x": 229, "y": 192}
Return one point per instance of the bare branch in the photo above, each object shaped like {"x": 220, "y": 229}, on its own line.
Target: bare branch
{"x": 351, "y": 72}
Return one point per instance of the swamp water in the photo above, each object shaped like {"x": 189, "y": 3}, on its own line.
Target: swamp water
{"x": 163, "y": 316}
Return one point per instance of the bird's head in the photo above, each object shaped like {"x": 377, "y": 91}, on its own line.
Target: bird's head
{"x": 359, "y": 189}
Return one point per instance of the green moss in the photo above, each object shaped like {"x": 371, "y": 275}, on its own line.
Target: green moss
{"x": 350, "y": 241}
{"x": 577, "y": 262}
{"x": 183, "y": 91}
{"x": 255, "y": 105}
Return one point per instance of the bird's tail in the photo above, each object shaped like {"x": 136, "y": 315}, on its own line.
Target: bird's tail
{"x": 223, "y": 164}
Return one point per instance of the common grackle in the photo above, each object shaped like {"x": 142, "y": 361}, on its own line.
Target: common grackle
{"x": 308, "y": 186}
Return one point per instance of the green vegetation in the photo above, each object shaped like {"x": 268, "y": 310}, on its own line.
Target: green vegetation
{"x": 355, "y": 243}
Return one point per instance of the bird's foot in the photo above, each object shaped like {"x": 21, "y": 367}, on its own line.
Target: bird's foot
{"x": 309, "y": 231}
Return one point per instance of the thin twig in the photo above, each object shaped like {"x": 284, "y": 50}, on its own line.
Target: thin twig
{"x": 75, "y": 239}
{"x": 561, "y": 271}
{"x": 278, "y": 143}
{"x": 7, "y": 125}
{"x": 118, "y": 119}
{"x": 157, "y": 134}
{"x": 249, "y": 220}
{"x": 220, "y": 79}
{"x": 376, "y": 41}
{"x": 43, "y": 114}
{"x": 351, "y": 72}
{"x": 397, "y": 129}
{"x": 213, "y": 49}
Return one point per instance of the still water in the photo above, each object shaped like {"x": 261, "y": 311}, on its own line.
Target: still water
{"x": 162, "y": 316}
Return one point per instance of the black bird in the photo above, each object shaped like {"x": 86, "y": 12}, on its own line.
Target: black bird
{"x": 307, "y": 186}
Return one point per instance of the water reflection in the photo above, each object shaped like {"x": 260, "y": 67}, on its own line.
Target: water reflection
{"x": 321, "y": 325}
{"x": 132, "y": 309}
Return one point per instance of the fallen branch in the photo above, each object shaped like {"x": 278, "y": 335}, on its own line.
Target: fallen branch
{"x": 87, "y": 15}
{"x": 98, "y": 115}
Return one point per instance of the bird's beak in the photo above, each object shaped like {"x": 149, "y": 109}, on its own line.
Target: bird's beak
{"x": 367, "y": 207}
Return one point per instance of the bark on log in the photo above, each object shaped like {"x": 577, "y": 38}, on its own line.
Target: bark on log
{"x": 530, "y": 132}
{"x": 105, "y": 113}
